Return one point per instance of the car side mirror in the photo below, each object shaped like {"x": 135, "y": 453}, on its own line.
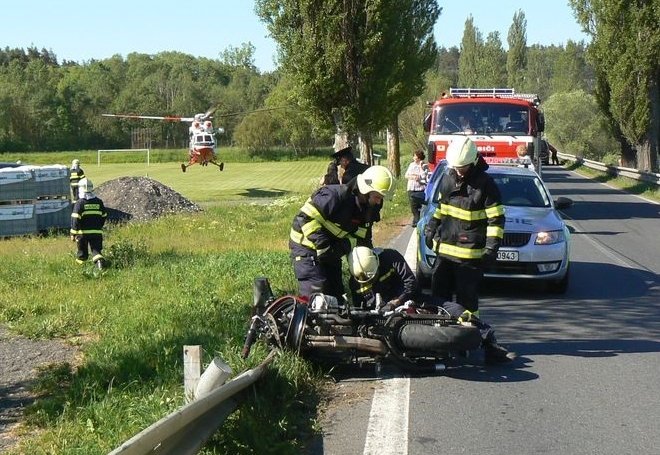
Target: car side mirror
{"x": 563, "y": 203}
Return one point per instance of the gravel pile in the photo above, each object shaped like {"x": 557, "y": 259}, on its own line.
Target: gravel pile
{"x": 141, "y": 199}
{"x": 20, "y": 359}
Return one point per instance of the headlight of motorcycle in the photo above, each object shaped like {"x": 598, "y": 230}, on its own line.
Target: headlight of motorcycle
{"x": 549, "y": 237}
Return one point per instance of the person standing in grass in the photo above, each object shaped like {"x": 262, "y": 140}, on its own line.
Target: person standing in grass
{"x": 87, "y": 220}
{"x": 335, "y": 219}
{"x": 75, "y": 175}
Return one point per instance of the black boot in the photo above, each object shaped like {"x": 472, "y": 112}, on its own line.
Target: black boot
{"x": 495, "y": 353}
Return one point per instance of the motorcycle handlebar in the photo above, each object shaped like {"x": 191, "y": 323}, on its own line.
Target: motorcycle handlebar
{"x": 250, "y": 338}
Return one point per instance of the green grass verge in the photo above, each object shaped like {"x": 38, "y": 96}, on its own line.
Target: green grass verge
{"x": 647, "y": 190}
{"x": 180, "y": 280}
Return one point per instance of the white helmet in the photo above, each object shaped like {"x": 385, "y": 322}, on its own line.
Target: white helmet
{"x": 375, "y": 178}
{"x": 85, "y": 186}
{"x": 363, "y": 264}
{"x": 461, "y": 152}
{"x": 75, "y": 163}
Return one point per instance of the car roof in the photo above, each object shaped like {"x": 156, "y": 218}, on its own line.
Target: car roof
{"x": 511, "y": 170}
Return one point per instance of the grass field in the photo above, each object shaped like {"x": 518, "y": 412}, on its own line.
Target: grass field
{"x": 179, "y": 280}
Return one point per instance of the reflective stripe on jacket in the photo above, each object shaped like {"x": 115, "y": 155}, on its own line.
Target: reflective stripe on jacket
{"x": 470, "y": 215}
{"x": 332, "y": 220}
{"x": 88, "y": 216}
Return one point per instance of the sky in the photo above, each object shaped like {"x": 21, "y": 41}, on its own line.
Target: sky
{"x": 82, "y": 30}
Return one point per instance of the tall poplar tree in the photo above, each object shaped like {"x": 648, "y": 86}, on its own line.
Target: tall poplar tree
{"x": 492, "y": 67}
{"x": 625, "y": 53}
{"x": 358, "y": 63}
{"x": 471, "y": 48}
{"x": 516, "y": 59}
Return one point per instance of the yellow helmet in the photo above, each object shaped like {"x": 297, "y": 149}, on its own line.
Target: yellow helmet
{"x": 461, "y": 152}
{"x": 363, "y": 264}
{"x": 75, "y": 163}
{"x": 375, "y": 178}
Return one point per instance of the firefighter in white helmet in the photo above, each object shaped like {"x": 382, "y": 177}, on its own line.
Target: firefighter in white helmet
{"x": 87, "y": 219}
{"x": 332, "y": 221}
{"x": 75, "y": 175}
{"x": 466, "y": 231}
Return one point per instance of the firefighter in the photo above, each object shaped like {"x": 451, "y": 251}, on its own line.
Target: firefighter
{"x": 465, "y": 232}
{"x": 387, "y": 273}
{"x": 384, "y": 272}
{"x": 351, "y": 167}
{"x": 332, "y": 221}
{"x": 75, "y": 175}
{"x": 87, "y": 220}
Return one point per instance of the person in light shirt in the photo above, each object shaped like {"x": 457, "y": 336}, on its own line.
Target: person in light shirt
{"x": 417, "y": 175}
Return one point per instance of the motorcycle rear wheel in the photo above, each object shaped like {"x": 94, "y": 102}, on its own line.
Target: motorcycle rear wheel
{"x": 439, "y": 339}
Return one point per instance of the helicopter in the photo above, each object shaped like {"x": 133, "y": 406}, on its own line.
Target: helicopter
{"x": 201, "y": 149}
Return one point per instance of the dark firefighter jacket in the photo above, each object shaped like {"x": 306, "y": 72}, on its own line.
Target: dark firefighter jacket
{"x": 76, "y": 175}
{"x": 88, "y": 216}
{"x": 470, "y": 215}
{"x": 352, "y": 170}
{"x": 395, "y": 280}
{"x": 331, "y": 222}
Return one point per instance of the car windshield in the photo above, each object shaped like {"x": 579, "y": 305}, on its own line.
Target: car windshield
{"x": 516, "y": 190}
{"x": 522, "y": 190}
{"x": 481, "y": 118}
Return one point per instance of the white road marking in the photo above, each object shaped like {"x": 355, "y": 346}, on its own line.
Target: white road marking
{"x": 387, "y": 433}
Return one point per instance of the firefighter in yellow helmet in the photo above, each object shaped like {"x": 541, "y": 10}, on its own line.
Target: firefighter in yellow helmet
{"x": 87, "y": 219}
{"x": 466, "y": 231}
{"x": 335, "y": 219}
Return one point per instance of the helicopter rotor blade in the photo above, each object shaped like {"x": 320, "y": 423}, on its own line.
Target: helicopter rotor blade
{"x": 170, "y": 118}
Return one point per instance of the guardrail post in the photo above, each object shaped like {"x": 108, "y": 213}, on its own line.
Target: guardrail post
{"x": 192, "y": 370}
{"x": 213, "y": 377}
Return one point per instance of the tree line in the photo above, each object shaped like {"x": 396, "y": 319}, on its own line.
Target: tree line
{"x": 353, "y": 71}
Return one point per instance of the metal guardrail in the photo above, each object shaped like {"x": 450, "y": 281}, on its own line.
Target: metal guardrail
{"x": 649, "y": 177}
{"x": 186, "y": 430}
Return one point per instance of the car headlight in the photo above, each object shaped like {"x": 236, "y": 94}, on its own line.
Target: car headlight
{"x": 549, "y": 237}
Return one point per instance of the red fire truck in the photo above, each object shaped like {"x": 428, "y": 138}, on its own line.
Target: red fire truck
{"x": 503, "y": 124}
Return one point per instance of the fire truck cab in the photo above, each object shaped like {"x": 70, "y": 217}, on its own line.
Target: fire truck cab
{"x": 505, "y": 126}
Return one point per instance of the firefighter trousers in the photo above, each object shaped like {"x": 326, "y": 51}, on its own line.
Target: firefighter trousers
{"x": 316, "y": 275}
{"x": 88, "y": 242}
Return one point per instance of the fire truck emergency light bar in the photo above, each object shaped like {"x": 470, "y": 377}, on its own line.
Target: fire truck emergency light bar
{"x": 493, "y": 92}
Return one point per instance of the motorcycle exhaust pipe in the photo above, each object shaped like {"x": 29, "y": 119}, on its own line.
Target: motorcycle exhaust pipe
{"x": 345, "y": 343}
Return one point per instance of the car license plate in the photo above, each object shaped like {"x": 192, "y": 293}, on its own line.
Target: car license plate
{"x": 508, "y": 256}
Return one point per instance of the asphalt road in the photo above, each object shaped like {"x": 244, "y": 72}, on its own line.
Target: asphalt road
{"x": 588, "y": 377}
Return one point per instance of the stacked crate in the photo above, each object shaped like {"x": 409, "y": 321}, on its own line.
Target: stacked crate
{"x": 53, "y": 204}
{"x": 18, "y": 193}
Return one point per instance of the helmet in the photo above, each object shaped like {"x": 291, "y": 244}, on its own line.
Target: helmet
{"x": 85, "y": 186}
{"x": 375, "y": 178}
{"x": 461, "y": 152}
{"x": 75, "y": 163}
{"x": 363, "y": 264}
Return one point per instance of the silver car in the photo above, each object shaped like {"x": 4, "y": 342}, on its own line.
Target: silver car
{"x": 536, "y": 244}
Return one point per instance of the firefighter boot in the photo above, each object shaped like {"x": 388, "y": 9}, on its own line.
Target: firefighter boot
{"x": 100, "y": 264}
{"x": 496, "y": 353}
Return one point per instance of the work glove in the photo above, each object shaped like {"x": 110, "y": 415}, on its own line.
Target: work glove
{"x": 489, "y": 257}
{"x": 389, "y": 306}
{"x": 428, "y": 239}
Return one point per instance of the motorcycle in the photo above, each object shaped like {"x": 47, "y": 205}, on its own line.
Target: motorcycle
{"x": 415, "y": 338}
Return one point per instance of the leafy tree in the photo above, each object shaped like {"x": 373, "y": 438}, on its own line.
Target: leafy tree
{"x": 570, "y": 69}
{"x": 447, "y": 64}
{"x": 575, "y": 125}
{"x": 540, "y": 69}
{"x": 356, "y": 63}
{"x": 468, "y": 62}
{"x": 516, "y": 62}
{"x": 492, "y": 69}
{"x": 625, "y": 53}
